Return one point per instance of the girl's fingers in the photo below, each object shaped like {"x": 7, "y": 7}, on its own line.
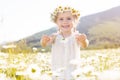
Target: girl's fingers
{"x": 81, "y": 37}
{"x": 84, "y": 35}
{"x": 45, "y": 38}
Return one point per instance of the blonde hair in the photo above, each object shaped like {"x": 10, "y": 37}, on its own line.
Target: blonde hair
{"x": 61, "y": 9}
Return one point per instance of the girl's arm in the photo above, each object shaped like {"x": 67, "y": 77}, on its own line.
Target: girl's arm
{"x": 82, "y": 40}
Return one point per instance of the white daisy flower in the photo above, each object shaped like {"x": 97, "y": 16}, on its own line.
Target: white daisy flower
{"x": 33, "y": 71}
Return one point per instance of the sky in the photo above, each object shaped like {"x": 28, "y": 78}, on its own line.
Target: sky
{"x": 22, "y": 18}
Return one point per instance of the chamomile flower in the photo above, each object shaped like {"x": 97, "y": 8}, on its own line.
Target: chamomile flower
{"x": 33, "y": 71}
{"x": 61, "y": 9}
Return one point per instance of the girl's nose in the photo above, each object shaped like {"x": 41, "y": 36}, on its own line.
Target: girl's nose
{"x": 65, "y": 21}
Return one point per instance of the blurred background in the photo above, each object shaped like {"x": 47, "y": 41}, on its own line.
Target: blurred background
{"x": 23, "y": 22}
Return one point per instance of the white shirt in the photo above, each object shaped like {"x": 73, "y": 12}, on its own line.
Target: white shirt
{"x": 63, "y": 51}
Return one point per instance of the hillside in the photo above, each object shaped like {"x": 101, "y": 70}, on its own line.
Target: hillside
{"x": 94, "y": 19}
{"x": 101, "y": 28}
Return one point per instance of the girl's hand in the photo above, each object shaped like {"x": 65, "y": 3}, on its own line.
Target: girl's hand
{"x": 81, "y": 37}
{"x": 82, "y": 40}
{"x": 45, "y": 40}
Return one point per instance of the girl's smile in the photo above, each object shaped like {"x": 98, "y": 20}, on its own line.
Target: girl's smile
{"x": 65, "y": 26}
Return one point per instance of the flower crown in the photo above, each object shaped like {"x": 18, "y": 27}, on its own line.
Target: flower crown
{"x": 63, "y": 9}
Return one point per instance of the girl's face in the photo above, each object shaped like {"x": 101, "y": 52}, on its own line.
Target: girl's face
{"x": 65, "y": 21}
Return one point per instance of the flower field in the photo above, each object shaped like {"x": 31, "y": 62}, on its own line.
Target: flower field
{"x": 94, "y": 65}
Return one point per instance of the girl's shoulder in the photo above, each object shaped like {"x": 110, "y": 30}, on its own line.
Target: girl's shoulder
{"x": 77, "y": 33}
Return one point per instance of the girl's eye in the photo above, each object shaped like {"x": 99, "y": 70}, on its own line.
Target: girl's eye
{"x": 61, "y": 19}
{"x": 68, "y": 18}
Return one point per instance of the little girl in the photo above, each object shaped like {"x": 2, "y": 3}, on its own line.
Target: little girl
{"x": 65, "y": 43}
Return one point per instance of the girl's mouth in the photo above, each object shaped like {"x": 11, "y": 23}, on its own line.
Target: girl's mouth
{"x": 67, "y": 26}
